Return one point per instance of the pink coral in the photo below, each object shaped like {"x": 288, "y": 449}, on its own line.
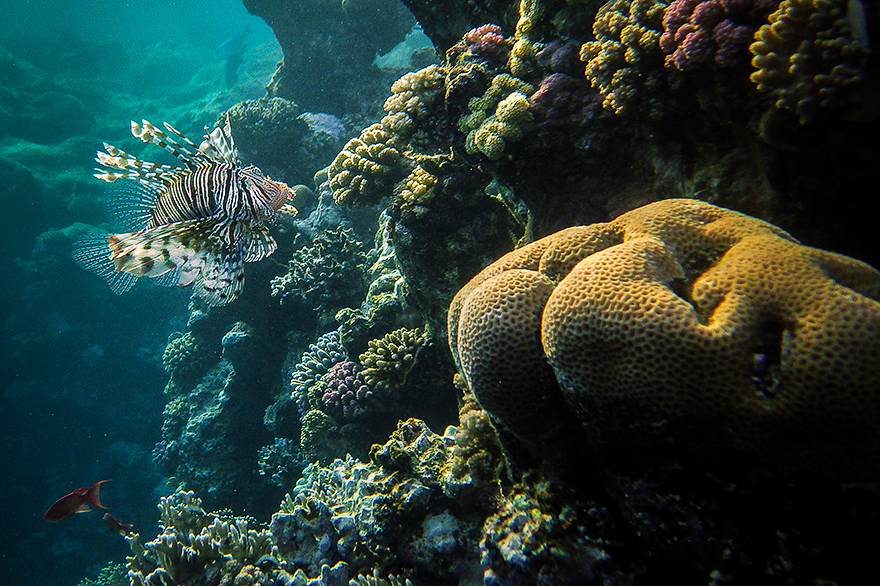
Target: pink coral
{"x": 346, "y": 392}
{"x": 700, "y": 31}
{"x": 486, "y": 40}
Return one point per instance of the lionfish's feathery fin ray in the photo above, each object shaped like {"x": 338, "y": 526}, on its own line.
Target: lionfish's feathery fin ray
{"x": 257, "y": 243}
{"x": 92, "y": 254}
{"x": 148, "y": 132}
{"x": 129, "y": 205}
{"x": 131, "y": 167}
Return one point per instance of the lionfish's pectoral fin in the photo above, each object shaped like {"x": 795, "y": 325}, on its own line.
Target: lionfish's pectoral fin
{"x": 155, "y": 251}
{"x": 222, "y": 278}
{"x": 93, "y": 254}
{"x": 257, "y": 243}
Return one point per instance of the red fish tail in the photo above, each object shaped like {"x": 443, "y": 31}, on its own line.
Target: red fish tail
{"x": 93, "y": 495}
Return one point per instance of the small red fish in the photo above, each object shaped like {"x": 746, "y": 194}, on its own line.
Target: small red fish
{"x": 116, "y": 525}
{"x": 77, "y": 501}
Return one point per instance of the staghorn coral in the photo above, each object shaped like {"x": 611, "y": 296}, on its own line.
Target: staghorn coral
{"x": 625, "y": 61}
{"x": 389, "y": 359}
{"x": 811, "y": 55}
{"x": 366, "y": 166}
{"x": 702, "y": 31}
{"x": 689, "y": 328}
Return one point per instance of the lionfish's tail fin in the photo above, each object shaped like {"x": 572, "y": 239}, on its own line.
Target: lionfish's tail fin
{"x": 92, "y": 253}
{"x": 219, "y": 145}
{"x": 121, "y": 165}
{"x": 175, "y": 143}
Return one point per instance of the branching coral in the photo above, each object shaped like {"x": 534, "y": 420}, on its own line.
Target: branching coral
{"x": 702, "y": 31}
{"x": 624, "y": 62}
{"x": 345, "y": 390}
{"x": 194, "y": 544}
{"x": 360, "y": 173}
{"x": 305, "y": 380}
{"x": 389, "y": 359}
{"x": 811, "y": 55}
{"x": 326, "y": 274}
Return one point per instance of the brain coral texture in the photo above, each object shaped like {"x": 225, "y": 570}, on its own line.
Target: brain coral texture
{"x": 683, "y": 324}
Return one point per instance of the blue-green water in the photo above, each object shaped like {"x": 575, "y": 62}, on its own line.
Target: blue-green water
{"x": 82, "y": 372}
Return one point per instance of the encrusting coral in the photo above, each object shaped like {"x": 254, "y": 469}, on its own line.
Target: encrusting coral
{"x": 683, "y": 324}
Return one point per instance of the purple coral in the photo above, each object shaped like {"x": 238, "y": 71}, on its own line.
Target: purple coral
{"x": 345, "y": 390}
{"x": 699, "y": 31}
{"x": 559, "y": 56}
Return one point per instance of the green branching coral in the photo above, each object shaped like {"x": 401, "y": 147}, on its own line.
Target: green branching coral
{"x": 327, "y": 274}
{"x": 811, "y": 54}
{"x": 511, "y": 119}
{"x": 486, "y": 132}
{"x": 389, "y": 359}
{"x": 363, "y": 170}
{"x": 195, "y": 544}
{"x": 625, "y": 62}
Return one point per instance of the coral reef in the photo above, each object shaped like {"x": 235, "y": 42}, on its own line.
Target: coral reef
{"x": 811, "y": 54}
{"x": 777, "y": 337}
{"x": 703, "y": 31}
{"x": 622, "y": 62}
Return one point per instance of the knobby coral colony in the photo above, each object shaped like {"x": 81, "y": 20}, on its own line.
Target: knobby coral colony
{"x": 198, "y": 223}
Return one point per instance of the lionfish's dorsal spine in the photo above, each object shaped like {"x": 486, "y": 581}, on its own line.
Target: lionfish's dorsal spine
{"x": 184, "y": 149}
{"x": 219, "y": 145}
{"x": 121, "y": 165}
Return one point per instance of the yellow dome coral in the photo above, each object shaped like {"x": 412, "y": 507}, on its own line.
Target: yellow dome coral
{"x": 681, "y": 326}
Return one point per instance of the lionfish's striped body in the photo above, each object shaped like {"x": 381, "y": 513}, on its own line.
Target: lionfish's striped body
{"x": 199, "y": 223}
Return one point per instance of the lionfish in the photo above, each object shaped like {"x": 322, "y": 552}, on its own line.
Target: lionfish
{"x": 198, "y": 223}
